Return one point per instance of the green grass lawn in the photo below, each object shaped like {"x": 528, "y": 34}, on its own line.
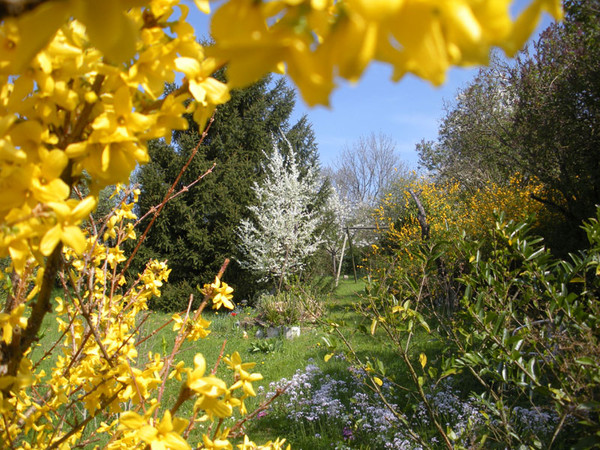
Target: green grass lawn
{"x": 275, "y": 358}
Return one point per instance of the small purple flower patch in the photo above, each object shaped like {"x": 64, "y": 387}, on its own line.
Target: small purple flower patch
{"x": 347, "y": 434}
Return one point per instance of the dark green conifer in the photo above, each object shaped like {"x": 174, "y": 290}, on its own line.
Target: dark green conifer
{"x": 197, "y": 231}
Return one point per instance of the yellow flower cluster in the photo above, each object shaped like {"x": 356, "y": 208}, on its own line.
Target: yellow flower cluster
{"x": 220, "y": 293}
{"x": 97, "y": 371}
{"x": 450, "y": 210}
{"x": 80, "y": 86}
{"x": 316, "y": 41}
{"x": 9, "y": 321}
{"x": 213, "y": 397}
{"x": 195, "y": 329}
{"x": 452, "y": 213}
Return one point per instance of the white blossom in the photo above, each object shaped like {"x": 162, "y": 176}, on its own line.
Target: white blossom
{"x": 281, "y": 234}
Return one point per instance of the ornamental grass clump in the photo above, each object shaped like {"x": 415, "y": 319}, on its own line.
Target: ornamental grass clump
{"x": 291, "y": 307}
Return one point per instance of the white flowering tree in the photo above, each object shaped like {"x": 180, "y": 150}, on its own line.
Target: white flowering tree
{"x": 282, "y": 232}
{"x": 340, "y": 214}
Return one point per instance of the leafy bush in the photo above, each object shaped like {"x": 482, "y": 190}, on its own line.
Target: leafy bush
{"x": 528, "y": 329}
{"x": 525, "y": 337}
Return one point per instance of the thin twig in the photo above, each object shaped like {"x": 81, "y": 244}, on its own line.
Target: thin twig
{"x": 214, "y": 370}
{"x": 177, "y": 194}
{"x": 240, "y": 423}
{"x": 12, "y": 354}
{"x": 178, "y": 342}
{"x": 168, "y": 195}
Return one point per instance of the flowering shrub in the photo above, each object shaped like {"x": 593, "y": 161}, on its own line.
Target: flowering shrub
{"x": 96, "y": 362}
{"x": 450, "y": 210}
{"x": 425, "y": 213}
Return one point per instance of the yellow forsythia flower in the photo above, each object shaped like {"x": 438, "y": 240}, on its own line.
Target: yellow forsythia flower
{"x": 221, "y": 294}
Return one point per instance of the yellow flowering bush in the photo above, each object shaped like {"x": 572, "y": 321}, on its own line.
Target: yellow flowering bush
{"x": 81, "y": 93}
{"x": 97, "y": 364}
{"x": 450, "y": 210}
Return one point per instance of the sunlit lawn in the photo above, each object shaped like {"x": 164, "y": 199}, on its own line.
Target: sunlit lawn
{"x": 275, "y": 358}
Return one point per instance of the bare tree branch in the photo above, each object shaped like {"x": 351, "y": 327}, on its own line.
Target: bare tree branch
{"x": 366, "y": 168}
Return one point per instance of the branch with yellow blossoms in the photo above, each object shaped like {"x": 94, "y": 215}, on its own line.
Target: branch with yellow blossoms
{"x": 81, "y": 94}
{"x": 98, "y": 366}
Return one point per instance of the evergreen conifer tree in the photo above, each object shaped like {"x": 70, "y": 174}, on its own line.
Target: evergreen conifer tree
{"x": 196, "y": 231}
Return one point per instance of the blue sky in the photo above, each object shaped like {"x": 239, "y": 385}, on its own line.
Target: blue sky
{"x": 408, "y": 111}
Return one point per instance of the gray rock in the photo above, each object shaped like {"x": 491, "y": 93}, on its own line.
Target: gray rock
{"x": 273, "y": 332}
{"x": 291, "y": 332}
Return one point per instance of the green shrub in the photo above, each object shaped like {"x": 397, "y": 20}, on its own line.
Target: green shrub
{"x": 529, "y": 331}
{"x": 524, "y": 336}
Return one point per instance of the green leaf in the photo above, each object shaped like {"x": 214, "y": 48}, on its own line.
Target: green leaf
{"x": 448, "y": 372}
{"x": 517, "y": 345}
{"x": 468, "y": 292}
{"x": 499, "y": 323}
{"x": 451, "y": 434}
{"x": 531, "y": 368}
{"x": 535, "y": 254}
{"x": 413, "y": 284}
{"x": 424, "y": 324}
{"x": 381, "y": 367}
{"x": 589, "y": 406}
{"x": 585, "y": 361}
